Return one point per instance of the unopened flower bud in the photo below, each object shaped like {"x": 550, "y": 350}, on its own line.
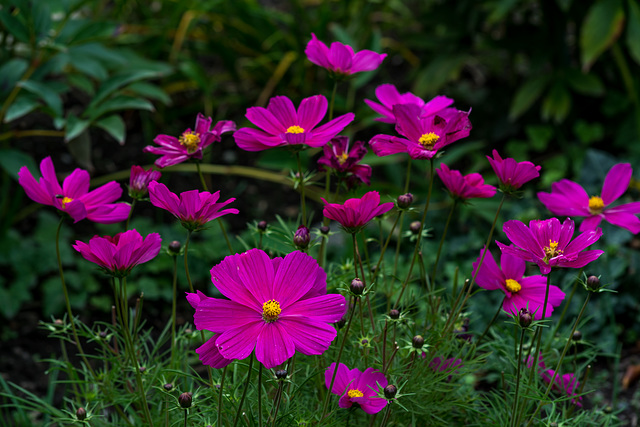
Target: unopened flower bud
{"x": 185, "y": 400}
{"x": 168, "y": 386}
{"x": 394, "y": 314}
{"x": 405, "y": 200}
{"x": 302, "y": 237}
{"x": 81, "y": 414}
{"x": 142, "y": 369}
{"x": 262, "y": 225}
{"x": 415, "y": 227}
{"x": 417, "y": 341}
{"x": 102, "y": 334}
{"x": 174, "y": 247}
{"x": 524, "y": 318}
{"x": 390, "y": 391}
{"x": 364, "y": 342}
{"x": 593, "y": 283}
{"x": 58, "y": 322}
{"x": 324, "y": 230}
{"x": 357, "y": 287}
{"x": 577, "y": 336}
{"x": 281, "y": 374}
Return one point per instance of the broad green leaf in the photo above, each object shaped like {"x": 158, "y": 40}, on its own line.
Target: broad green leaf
{"x": 114, "y": 126}
{"x": 12, "y": 160}
{"x": 539, "y": 136}
{"x": 601, "y": 27}
{"x": 440, "y": 70}
{"x": 82, "y": 82}
{"x": 10, "y": 73}
{"x": 119, "y": 103}
{"x": 80, "y": 149}
{"x": 500, "y": 10}
{"x": 44, "y": 91}
{"x": 196, "y": 73}
{"x": 528, "y": 93}
{"x": 586, "y": 84}
{"x": 117, "y": 81}
{"x": 15, "y": 25}
{"x": 91, "y": 67}
{"x": 151, "y": 91}
{"x": 557, "y": 103}
{"x": 633, "y": 30}
{"x": 23, "y": 104}
{"x": 41, "y": 19}
{"x": 75, "y": 127}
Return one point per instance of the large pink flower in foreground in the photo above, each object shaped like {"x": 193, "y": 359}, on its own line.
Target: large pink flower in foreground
{"x": 548, "y": 243}
{"x": 569, "y": 198}
{"x": 512, "y": 174}
{"x": 389, "y": 96}
{"x": 281, "y": 124}
{"x": 340, "y": 59}
{"x": 464, "y": 187}
{"x": 192, "y": 208}
{"x": 356, "y": 213}
{"x": 356, "y": 387}
{"x": 344, "y": 160}
{"x": 519, "y": 291}
{"x": 275, "y": 307}
{"x": 208, "y": 352}
{"x": 74, "y": 197}
{"x": 120, "y": 253}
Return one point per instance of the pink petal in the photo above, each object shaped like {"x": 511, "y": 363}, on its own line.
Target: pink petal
{"x": 219, "y": 315}
{"x": 265, "y": 120}
{"x": 77, "y": 184}
{"x": 591, "y": 223}
{"x": 284, "y": 111}
{"x": 344, "y": 377}
{"x": 366, "y": 60}
{"x": 408, "y": 123}
{"x": 226, "y": 279}
{"x": 386, "y": 145}
{"x": 512, "y": 267}
{"x": 49, "y": 175}
{"x": 625, "y": 220}
{"x": 36, "y": 192}
{"x": 255, "y": 140}
{"x": 255, "y": 271}
{"x": 107, "y": 214}
{"x": 210, "y": 355}
{"x": 274, "y": 345}
{"x": 435, "y": 105}
{"x": 238, "y": 343}
{"x": 322, "y": 134}
{"x": 341, "y": 57}
{"x": 317, "y": 52}
{"x": 489, "y": 276}
{"x": 326, "y": 308}
{"x": 311, "y": 111}
{"x": 107, "y": 193}
{"x": 296, "y": 275}
{"x": 616, "y": 182}
{"x": 310, "y": 336}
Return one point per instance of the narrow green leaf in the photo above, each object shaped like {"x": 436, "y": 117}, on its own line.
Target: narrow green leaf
{"x": 91, "y": 67}
{"x": 12, "y": 160}
{"x": 117, "y": 81}
{"x": 10, "y": 73}
{"x": 151, "y": 91}
{"x": 75, "y": 127}
{"x": 114, "y": 126}
{"x": 528, "y": 93}
{"x": 82, "y": 82}
{"x": 44, "y": 91}
{"x": 119, "y": 103}
{"x": 633, "y": 30}
{"x": 41, "y": 19}
{"x": 14, "y": 25}
{"x": 586, "y": 84}
{"x": 601, "y": 27}
{"x": 557, "y": 103}
{"x": 23, "y": 104}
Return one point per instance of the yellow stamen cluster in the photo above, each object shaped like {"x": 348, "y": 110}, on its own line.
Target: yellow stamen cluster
{"x": 428, "y": 140}
{"x": 342, "y": 158}
{"x": 355, "y": 393}
{"x": 66, "y": 200}
{"x": 551, "y": 251}
{"x": 190, "y": 140}
{"x": 295, "y": 129}
{"x": 513, "y": 286}
{"x": 271, "y": 310}
{"x": 596, "y": 205}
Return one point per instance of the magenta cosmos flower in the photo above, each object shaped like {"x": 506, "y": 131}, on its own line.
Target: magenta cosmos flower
{"x": 344, "y": 161}
{"x": 281, "y": 124}
{"x": 139, "y": 181}
{"x": 356, "y": 213}
{"x": 74, "y": 197}
{"x": 566, "y": 383}
{"x": 275, "y": 307}
{"x": 356, "y": 387}
{"x": 465, "y": 187}
{"x": 389, "y": 96}
{"x": 192, "y": 208}
{"x": 423, "y": 136}
{"x": 519, "y": 291}
{"x": 512, "y": 174}
{"x": 340, "y": 59}
{"x": 120, "y": 253}
{"x": 569, "y": 198}
{"x": 548, "y": 243}
{"x": 207, "y": 352}
{"x": 191, "y": 143}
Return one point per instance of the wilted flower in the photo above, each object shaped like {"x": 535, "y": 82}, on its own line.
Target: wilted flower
{"x": 74, "y": 197}
{"x": 569, "y": 198}
{"x": 139, "y": 181}
{"x": 464, "y": 187}
{"x": 340, "y": 59}
{"x": 192, "y": 208}
{"x": 356, "y": 387}
{"x": 190, "y": 144}
{"x": 389, "y": 96}
{"x": 344, "y": 160}
{"x": 354, "y": 214}
{"x": 512, "y": 174}
{"x": 281, "y": 124}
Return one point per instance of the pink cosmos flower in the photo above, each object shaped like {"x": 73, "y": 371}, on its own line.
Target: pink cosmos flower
{"x": 344, "y": 161}
{"x": 569, "y": 198}
{"x": 192, "y": 208}
{"x": 512, "y": 174}
{"x": 340, "y": 59}
{"x": 275, "y": 307}
{"x": 464, "y": 187}
{"x": 519, "y": 291}
{"x": 139, "y": 181}
{"x": 191, "y": 143}
{"x": 548, "y": 243}
{"x": 207, "y": 352}
{"x": 566, "y": 383}
{"x": 424, "y": 136}
{"x": 389, "y": 96}
{"x": 282, "y": 125}
{"x": 356, "y": 213}
{"x": 74, "y": 197}
{"x": 357, "y": 387}
{"x": 120, "y": 253}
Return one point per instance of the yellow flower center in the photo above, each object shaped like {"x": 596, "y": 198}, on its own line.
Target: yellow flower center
{"x": 271, "y": 310}
{"x": 428, "y": 140}
{"x": 513, "y": 286}
{"x": 295, "y": 129}
{"x": 596, "y": 205}
{"x": 355, "y": 393}
{"x": 66, "y": 200}
{"x": 342, "y": 158}
{"x": 551, "y": 251}
{"x": 190, "y": 140}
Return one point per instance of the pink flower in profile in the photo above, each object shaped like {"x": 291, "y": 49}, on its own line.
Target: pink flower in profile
{"x": 354, "y": 214}
{"x": 275, "y": 307}
{"x": 465, "y": 187}
{"x": 423, "y": 136}
{"x": 569, "y": 198}
{"x": 512, "y": 174}
{"x": 192, "y": 208}
{"x": 139, "y": 181}
{"x": 389, "y": 96}
{"x": 207, "y": 352}
{"x": 519, "y": 291}
{"x": 548, "y": 243}
{"x": 344, "y": 160}
{"x": 340, "y": 59}
{"x": 566, "y": 383}
{"x": 74, "y": 197}
{"x": 281, "y": 124}
{"x": 356, "y": 387}
{"x": 120, "y": 253}
{"x": 191, "y": 143}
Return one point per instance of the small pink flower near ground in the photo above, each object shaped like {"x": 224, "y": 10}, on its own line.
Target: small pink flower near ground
{"x": 119, "y": 254}
{"x": 570, "y": 198}
{"x": 465, "y": 187}
{"x": 342, "y": 159}
{"x": 340, "y": 59}
{"x": 139, "y": 181}
{"x": 355, "y": 213}
{"x": 389, "y": 96}
{"x": 193, "y": 208}
{"x": 190, "y": 144}
{"x": 74, "y": 197}
{"x": 512, "y": 174}
{"x": 519, "y": 291}
{"x": 549, "y": 244}
{"x": 356, "y": 387}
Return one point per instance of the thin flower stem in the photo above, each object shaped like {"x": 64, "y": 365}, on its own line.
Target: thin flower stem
{"x": 398, "y": 244}
{"x": 226, "y": 238}
{"x": 186, "y": 261}
{"x": 133, "y": 205}
{"x": 564, "y": 310}
{"x": 186, "y": 415}
{"x": 358, "y": 260}
{"x": 408, "y": 176}
{"x": 244, "y": 392}
{"x": 260, "y": 395}
{"x": 384, "y": 248}
{"x": 444, "y": 235}
{"x": 277, "y": 400}
{"x": 202, "y": 181}
{"x": 303, "y": 204}
{"x": 493, "y": 319}
{"x": 514, "y": 411}
{"x": 333, "y": 99}
{"x": 220, "y": 395}
{"x": 537, "y": 351}
{"x": 387, "y": 415}
{"x": 173, "y": 310}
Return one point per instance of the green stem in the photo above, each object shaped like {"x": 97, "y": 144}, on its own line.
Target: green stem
{"x": 202, "y": 181}
{"x": 220, "y": 394}
{"x": 387, "y": 414}
{"x": 173, "y": 310}
{"x": 376, "y": 271}
{"x": 567, "y": 303}
{"x": 303, "y": 204}
{"x": 244, "y": 392}
{"x": 333, "y": 99}
{"x": 226, "y": 238}
{"x": 407, "y": 177}
{"x": 357, "y": 259}
{"x": 514, "y": 411}
{"x": 186, "y": 262}
{"x": 444, "y": 235}
{"x": 493, "y": 319}
{"x": 538, "y": 342}
{"x": 133, "y": 205}
{"x": 277, "y": 400}
{"x": 260, "y": 395}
